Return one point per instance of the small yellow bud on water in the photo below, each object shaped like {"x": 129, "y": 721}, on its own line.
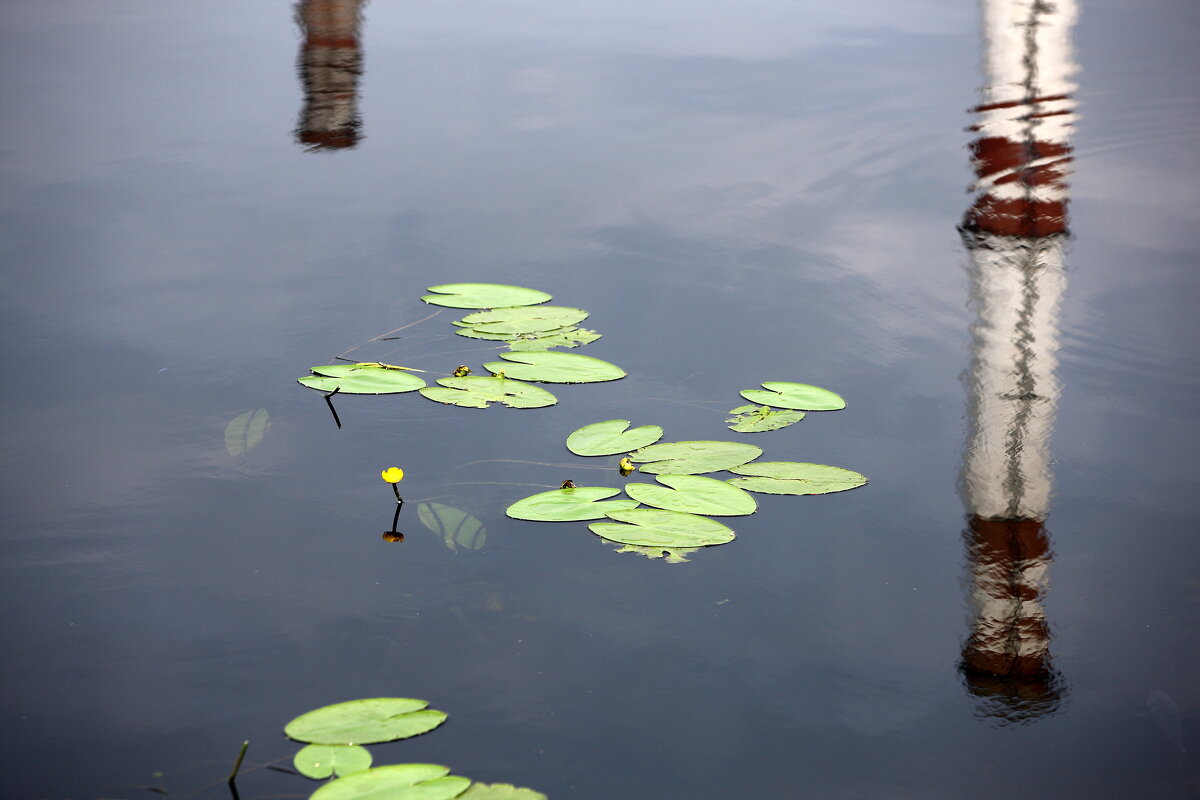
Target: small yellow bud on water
{"x": 392, "y": 474}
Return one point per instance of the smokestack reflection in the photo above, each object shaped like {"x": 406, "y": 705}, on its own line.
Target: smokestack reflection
{"x": 330, "y": 65}
{"x": 1016, "y": 233}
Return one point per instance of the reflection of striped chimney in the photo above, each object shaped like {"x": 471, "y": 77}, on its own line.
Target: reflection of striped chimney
{"x": 1015, "y": 233}
{"x": 330, "y": 64}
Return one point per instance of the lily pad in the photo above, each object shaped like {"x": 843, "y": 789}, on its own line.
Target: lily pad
{"x": 652, "y": 527}
{"x": 500, "y": 791}
{"x": 377, "y": 719}
{"x": 552, "y": 367}
{"x": 690, "y": 458}
{"x": 672, "y": 555}
{"x": 611, "y": 437}
{"x": 793, "y": 477}
{"x": 361, "y": 379}
{"x": 483, "y": 295}
{"x": 395, "y": 782}
{"x": 523, "y": 319}
{"x": 456, "y": 527}
{"x": 477, "y": 391}
{"x": 693, "y": 494}
{"x": 800, "y": 396}
{"x": 246, "y": 430}
{"x": 754, "y": 419}
{"x": 569, "y": 505}
{"x": 564, "y": 337}
{"x": 320, "y": 761}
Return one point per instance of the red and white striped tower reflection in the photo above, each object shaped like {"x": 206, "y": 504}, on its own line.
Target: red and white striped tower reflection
{"x": 1015, "y": 233}
{"x": 330, "y": 65}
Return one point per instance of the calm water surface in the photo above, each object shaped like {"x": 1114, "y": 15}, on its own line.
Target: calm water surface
{"x": 978, "y": 224}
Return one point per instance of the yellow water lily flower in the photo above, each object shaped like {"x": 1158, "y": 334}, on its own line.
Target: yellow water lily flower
{"x": 392, "y": 474}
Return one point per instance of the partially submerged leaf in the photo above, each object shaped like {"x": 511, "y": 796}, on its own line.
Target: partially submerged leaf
{"x": 361, "y": 379}
{"x": 568, "y": 505}
{"x": 377, "y": 719}
{"x": 523, "y": 319}
{"x": 652, "y": 527}
{"x": 690, "y": 458}
{"x": 754, "y": 419}
{"x": 320, "y": 761}
{"x": 554, "y": 367}
{"x": 395, "y": 782}
{"x": 693, "y": 494}
{"x": 246, "y": 430}
{"x": 500, "y": 791}
{"x": 564, "y": 337}
{"x": 793, "y": 477}
{"x": 611, "y": 437}
{"x": 476, "y": 391}
{"x": 672, "y": 555}
{"x": 483, "y": 295}
{"x": 800, "y": 396}
{"x": 456, "y": 527}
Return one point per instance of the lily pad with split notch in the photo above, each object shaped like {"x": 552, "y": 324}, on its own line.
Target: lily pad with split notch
{"x": 376, "y": 719}
{"x": 690, "y": 458}
{"x": 653, "y": 527}
{"x": 396, "y": 782}
{"x": 794, "y": 477}
{"x": 694, "y": 494}
{"x": 320, "y": 761}
{"x": 569, "y": 505}
{"x": 483, "y": 295}
{"x": 797, "y": 396}
{"x": 523, "y": 319}
{"x": 756, "y": 419}
{"x": 477, "y": 391}
{"x": 553, "y": 367}
{"x": 611, "y": 437}
{"x": 361, "y": 379}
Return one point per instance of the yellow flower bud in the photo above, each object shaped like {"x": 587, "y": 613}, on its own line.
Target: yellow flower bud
{"x": 392, "y": 474}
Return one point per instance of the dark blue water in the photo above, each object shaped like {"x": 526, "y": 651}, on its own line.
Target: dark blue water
{"x": 197, "y": 207}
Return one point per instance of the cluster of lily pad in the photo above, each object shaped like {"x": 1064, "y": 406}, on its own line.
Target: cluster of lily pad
{"x": 335, "y": 736}
{"x": 682, "y": 502}
{"x": 513, "y": 315}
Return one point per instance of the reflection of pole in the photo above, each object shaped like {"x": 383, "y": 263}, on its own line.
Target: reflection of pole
{"x": 330, "y": 65}
{"x": 1015, "y": 233}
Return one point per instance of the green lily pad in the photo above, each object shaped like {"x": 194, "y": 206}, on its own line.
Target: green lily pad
{"x": 246, "y": 430}
{"x": 477, "y": 391}
{"x": 320, "y": 761}
{"x": 754, "y": 419}
{"x": 611, "y": 437}
{"x": 568, "y": 505}
{"x": 800, "y": 396}
{"x": 377, "y": 719}
{"x": 564, "y": 337}
{"x": 793, "y": 477}
{"x": 690, "y": 458}
{"x": 523, "y": 319}
{"x": 500, "y": 791}
{"x": 483, "y": 295}
{"x": 672, "y": 555}
{"x": 693, "y": 494}
{"x": 361, "y": 379}
{"x": 652, "y": 527}
{"x": 456, "y": 527}
{"x": 553, "y": 367}
{"x": 395, "y": 782}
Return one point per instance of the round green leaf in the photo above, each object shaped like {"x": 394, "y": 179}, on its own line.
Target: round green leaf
{"x": 793, "y": 477}
{"x": 319, "y": 761}
{"x": 378, "y": 719}
{"x": 800, "y": 396}
{"x": 611, "y": 437}
{"x": 554, "y": 367}
{"x": 656, "y": 528}
{"x": 395, "y": 782}
{"x": 477, "y": 391}
{"x": 693, "y": 494}
{"x": 483, "y": 295}
{"x": 456, "y": 527}
{"x": 564, "y": 337}
{"x": 500, "y": 791}
{"x": 690, "y": 458}
{"x": 525, "y": 319}
{"x": 246, "y": 430}
{"x": 568, "y": 505}
{"x": 754, "y": 419}
{"x": 357, "y": 379}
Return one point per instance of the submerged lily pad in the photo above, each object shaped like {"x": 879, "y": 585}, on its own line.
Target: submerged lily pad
{"x": 361, "y": 379}
{"x": 377, "y": 719}
{"x": 320, "y": 761}
{"x": 568, "y": 505}
{"x": 672, "y": 555}
{"x": 477, "y": 391}
{"x": 754, "y": 419}
{"x": 396, "y": 782}
{"x": 693, "y": 494}
{"x": 500, "y": 791}
{"x": 552, "y": 367}
{"x": 246, "y": 430}
{"x": 800, "y": 396}
{"x": 793, "y": 477}
{"x": 564, "y": 337}
{"x": 523, "y": 319}
{"x": 690, "y": 458}
{"x": 483, "y": 295}
{"x": 652, "y": 527}
{"x": 611, "y": 437}
{"x": 456, "y": 527}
